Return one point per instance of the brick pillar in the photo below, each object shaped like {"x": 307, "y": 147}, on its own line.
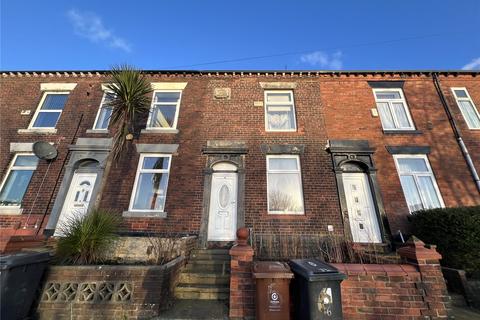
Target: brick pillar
{"x": 242, "y": 286}
{"x": 435, "y": 294}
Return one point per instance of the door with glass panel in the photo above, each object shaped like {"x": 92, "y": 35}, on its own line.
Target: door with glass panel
{"x": 77, "y": 201}
{"x": 361, "y": 210}
{"x": 418, "y": 182}
{"x": 222, "y": 223}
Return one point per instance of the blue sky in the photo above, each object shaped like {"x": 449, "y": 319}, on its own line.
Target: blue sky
{"x": 194, "y": 34}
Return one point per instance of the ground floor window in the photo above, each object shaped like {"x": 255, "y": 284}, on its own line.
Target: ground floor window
{"x": 284, "y": 184}
{"x": 418, "y": 182}
{"x": 17, "y": 179}
{"x": 151, "y": 182}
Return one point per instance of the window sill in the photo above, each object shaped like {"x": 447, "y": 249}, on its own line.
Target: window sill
{"x": 144, "y": 214}
{"x": 152, "y": 130}
{"x": 402, "y": 132}
{"x": 7, "y": 210}
{"x": 37, "y": 131}
{"x": 96, "y": 131}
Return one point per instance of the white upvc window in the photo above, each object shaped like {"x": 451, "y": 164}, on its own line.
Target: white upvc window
{"x": 104, "y": 112}
{"x": 467, "y": 107}
{"x": 151, "y": 183}
{"x": 17, "y": 179}
{"x": 49, "y": 110}
{"x": 284, "y": 185}
{"x": 393, "y": 109}
{"x": 279, "y": 111}
{"x": 164, "y": 110}
{"x": 418, "y": 182}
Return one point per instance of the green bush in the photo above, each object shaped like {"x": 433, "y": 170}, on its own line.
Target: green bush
{"x": 85, "y": 239}
{"x": 455, "y": 231}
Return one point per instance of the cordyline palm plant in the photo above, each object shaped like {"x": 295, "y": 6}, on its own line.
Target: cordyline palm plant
{"x": 129, "y": 101}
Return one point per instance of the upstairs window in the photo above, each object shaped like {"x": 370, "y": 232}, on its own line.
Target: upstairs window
{"x": 164, "y": 110}
{"x": 284, "y": 185}
{"x": 49, "y": 110}
{"x": 418, "y": 182}
{"x": 151, "y": 182}
{"x": 393, "y": 110}
{"x": 17, "y": 179}
{"x": 467, "y": 107}
{"x": 104, "y": 112}
{"x": 279, "y": 111}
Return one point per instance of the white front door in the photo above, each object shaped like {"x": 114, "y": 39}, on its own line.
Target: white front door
{"x": 222, "y": 221}
{"x": 361, "y": 211}
{"x": 77, "y": 200}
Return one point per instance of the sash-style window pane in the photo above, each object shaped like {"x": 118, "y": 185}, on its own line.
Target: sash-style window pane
{"x": 279, "y": 111}
{"x": 151, "y": 183}
{"x": 467, "y": 107}
{"x": 418, "y": 183}
{"x": 164, "y": 110}
{"x": 18, "y": 178}
{"x": 51, "y": 107}
{"x": 284, "y": 184}
{"x": 104, "y": 113}
{"x": 393, "y": 110}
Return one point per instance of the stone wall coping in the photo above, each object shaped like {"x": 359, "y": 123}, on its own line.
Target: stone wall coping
{"x": 375, "y": 268}
{"x": 118, "y": 267}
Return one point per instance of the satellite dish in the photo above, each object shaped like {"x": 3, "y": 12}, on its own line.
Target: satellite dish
{"x": 44, "y": 150}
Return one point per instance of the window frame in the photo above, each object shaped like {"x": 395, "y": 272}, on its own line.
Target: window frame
{"x": 140, "y": 171}
{"x": 38, "y": 110}
{"x": 105, "y": 93}
{"x": 298, "y": 171}
{"x": 266, "y": 104}
{"x": 415, "y": 174}
{"x": 9, "y": 170}
{"x": 153, "y": 104}
{"x": 469, "y": 98}
{"x": 394, "y": 117}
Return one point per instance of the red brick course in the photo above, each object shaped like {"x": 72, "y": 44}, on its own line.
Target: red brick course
{"x": 328, "y": 106}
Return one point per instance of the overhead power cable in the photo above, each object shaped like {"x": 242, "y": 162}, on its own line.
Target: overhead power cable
{"x": 339, "y": 47}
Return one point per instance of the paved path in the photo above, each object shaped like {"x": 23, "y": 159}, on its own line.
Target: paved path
{"x": 196, "y": 309}
{"x": 465, "y": 313}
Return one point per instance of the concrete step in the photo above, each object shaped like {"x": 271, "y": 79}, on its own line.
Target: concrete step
{"x": 185, "y": 309}
{"x": 200, "y": 267}
{"x": 457, "y": 300}
{"x": 209, "y": 256}
{"x": 212, "y": 251}
{"x": 201, "y": 292}
{"x": 203, "y": 278}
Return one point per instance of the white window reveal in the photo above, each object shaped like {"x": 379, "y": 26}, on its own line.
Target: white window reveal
{"x": 279, "y": 111}
{"x": 467, "y": 107}
{"x": 393, "y": 110}
{"x": 16, "y": 181}
{"x": 104, "y": 112}
{"x": 49, "y": 110}
{"x": 164, "y": 110}
{"x": 151, "y": 182}
{"x": 418, "y": 182}
{"x": 284, "y": 185}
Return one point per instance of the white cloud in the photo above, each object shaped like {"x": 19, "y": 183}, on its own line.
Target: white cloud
{"x": 473, "y": 65}
{"x": 90, "y": 26}
{"x": 323, "y": 59}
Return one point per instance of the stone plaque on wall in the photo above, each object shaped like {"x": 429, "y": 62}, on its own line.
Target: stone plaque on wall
{"x": 222, "y": 93}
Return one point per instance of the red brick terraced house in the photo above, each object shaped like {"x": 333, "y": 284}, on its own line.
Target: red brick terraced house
{"x": 346, "y": 152}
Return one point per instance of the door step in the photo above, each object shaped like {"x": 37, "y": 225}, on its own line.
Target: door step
{"x": 202, "y": 292}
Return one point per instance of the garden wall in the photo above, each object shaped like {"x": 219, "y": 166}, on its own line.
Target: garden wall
{"x": 414, "y": 289}
{"x": 396, "y": 291}
{"x": 150, "y": 249}
{"x": 107, "y": 292}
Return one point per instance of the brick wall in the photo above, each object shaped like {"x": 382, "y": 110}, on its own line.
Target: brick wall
{"x": 389, "y": 292}
{"x": 328, "y": 106}
{"x": 107, "y": 292}
{"x": 347, "y": 104}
